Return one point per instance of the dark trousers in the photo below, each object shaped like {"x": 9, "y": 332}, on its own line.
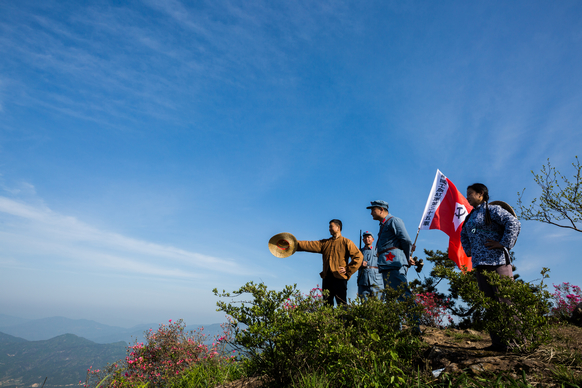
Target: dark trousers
{"x": 338, "y": 289}
{"x": 492, "y": 292}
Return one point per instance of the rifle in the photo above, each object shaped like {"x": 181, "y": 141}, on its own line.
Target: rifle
{"x": 360, "y": 239}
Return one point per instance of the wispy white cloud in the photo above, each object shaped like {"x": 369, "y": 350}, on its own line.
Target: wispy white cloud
{"x": 178, "y": 12}
{"x": 118, "y": 64}
{"x": 32, "y": 234}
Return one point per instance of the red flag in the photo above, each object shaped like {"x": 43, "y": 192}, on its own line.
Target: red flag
{"x": 446, "y": 210}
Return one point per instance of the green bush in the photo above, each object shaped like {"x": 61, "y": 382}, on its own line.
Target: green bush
{"x": 288, "y": 336}
{"x": 522, "y": 323}
{"x": 166, "y": 356}
{"x": 204, "y": 375}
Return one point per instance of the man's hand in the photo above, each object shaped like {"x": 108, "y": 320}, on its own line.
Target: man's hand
{"x": 411, "y": 261}
{"x": 364, "y": 263}
{"x": 492, "y": 244}
{"x": 342, "y": 270}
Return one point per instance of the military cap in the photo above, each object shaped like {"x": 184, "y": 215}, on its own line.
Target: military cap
{"x": 378, "y": 203}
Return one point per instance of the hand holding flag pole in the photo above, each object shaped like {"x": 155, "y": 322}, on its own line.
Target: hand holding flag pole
{"x": 414, "y": 243}
{"x": 419, "y": 263}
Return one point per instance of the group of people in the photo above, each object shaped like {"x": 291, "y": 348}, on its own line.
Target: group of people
{"x": 378, "y": 268}
{"x": 488, "y": 233}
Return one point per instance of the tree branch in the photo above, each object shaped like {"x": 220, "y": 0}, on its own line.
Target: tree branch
{"x": 555, "y": 203}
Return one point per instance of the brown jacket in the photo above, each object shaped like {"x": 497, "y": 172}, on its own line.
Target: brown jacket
{"x": 335, "y": 253}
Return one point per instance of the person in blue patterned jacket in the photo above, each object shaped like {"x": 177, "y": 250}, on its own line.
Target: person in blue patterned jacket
{"x": 369, "y": 278}
{"x": 489, "y": 232}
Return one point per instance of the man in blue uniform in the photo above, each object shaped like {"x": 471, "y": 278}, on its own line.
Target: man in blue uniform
{"x": 393, "y": 248}
{"x": 369, "y": 278}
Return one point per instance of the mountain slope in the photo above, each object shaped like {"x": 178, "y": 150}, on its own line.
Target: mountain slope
{"x": 46, "y": 328}
{"x": 63, "y": 359}
{"x": 6, "y": 338}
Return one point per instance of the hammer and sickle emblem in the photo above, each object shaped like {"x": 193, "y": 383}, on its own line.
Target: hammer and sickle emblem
{"x": 460, "y": 212}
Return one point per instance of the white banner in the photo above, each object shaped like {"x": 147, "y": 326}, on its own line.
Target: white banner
{"x": 440, "y": 186}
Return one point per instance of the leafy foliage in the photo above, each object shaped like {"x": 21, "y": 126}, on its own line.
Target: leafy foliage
{"x": 287, "y": 335}
{"x": 435, "y": 312}
{"x": 566, "y": 298}
{"x": 208, "y": 374}
{"x": 561, "y": 199}
{"x": 163, "y": 359}
{"x": 469, "y": 315}
{"x": 521, "y": 321}
{"x": 290, "y": 339}
{"x": 430, "y": 283}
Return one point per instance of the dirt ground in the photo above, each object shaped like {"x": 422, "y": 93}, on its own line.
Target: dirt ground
{"x": 462, "y": 350}
{"x": 457, "y": 351}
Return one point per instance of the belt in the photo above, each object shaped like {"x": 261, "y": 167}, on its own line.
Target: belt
{"x": 369, "y": 266}
{"x": 386, "y": 250}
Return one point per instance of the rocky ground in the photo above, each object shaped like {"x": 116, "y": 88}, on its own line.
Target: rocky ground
{"x": 456, "y": 351}
{"x": 463, "y": 350}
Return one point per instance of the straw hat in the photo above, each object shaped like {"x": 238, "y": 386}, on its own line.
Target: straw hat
{"x": 283, "y": 245}
{"x": 504, "y": 205}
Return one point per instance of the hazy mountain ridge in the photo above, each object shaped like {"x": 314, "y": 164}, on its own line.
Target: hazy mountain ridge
{"x": 63, "y": 359}
{"x": 7, "y": 338}
{"x": 74, "y": 345}
{"x": 47, "y": 328}
{"x": 8, "y": 320}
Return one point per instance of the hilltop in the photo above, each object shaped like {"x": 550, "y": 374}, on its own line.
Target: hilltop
{"x": 462, "y": 350}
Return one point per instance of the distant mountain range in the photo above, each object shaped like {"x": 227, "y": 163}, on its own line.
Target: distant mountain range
{"x": 62, "y": 349}
{"x": 47, "y": 328}
{"x": 62, "y": 360}
{"x": 7, "y": 320}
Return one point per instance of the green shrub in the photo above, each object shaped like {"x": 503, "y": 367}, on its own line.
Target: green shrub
{"x": 164, "y": 358}
{"x": 286, "y": 335}
{"x": 522, "y": 323}
{"x": 203, "y": 375}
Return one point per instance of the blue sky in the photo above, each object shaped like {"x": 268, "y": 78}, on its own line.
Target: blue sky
{"x": 149, "y": 149}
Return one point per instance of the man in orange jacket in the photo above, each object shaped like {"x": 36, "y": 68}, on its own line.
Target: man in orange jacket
{"x": 335, "y": 252}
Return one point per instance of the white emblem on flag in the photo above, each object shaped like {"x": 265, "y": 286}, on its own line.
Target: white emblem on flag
{"x": 460, "y": 215}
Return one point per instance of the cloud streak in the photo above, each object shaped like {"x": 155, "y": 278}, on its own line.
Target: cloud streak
{"x": 117, "y": 65}
{"x": 33, "y": 234}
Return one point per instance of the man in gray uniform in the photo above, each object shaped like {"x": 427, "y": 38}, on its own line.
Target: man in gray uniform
{"x": 369, "y": 278}
{"x": 393, "y": 247}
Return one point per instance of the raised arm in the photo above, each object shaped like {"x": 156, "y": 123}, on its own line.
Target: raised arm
{"x": 309, "y": 246}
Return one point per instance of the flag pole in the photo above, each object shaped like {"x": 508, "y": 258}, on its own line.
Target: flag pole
{"x": 414, "y": 243}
